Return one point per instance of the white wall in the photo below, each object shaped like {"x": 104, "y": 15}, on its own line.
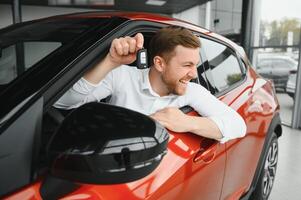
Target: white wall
{"x": 191, "y": 15}
{"x": 228, "y": 12}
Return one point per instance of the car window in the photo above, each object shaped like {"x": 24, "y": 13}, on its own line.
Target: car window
{"x": 33, "y": 52}
{"x": 222, "y": 63}
{"x": 23, "y": 46}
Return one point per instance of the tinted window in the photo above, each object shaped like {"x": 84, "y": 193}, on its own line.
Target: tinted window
{"x": 222, "y": 63}
{"x": 33, "y": 52}
{"x": 23, "y": 46}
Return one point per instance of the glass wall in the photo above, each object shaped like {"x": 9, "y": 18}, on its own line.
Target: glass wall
{"x": 275, "y": 49}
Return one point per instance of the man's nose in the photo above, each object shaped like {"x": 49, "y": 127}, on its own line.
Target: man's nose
{"x": 193, "y": 73}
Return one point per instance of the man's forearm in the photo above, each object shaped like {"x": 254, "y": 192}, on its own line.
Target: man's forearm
{"x": 98, "y": 72}
{"x": 204, "y": 127}
{"x": 175, "y": 120}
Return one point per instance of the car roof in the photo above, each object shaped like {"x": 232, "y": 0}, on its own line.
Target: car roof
{"x": 153, "y": 18}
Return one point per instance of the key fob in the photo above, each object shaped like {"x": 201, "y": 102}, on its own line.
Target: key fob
{"x": 142, "y": 59}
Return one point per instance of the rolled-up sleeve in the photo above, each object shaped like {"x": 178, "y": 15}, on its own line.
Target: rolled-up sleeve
{"x": 229, "y": 122}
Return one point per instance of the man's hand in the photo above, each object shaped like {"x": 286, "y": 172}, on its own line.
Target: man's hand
{"x": 123, "y": 50}
{"x": 173, "y": 119}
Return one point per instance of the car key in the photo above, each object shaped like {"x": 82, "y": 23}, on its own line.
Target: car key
{"x": 142, "y": 59}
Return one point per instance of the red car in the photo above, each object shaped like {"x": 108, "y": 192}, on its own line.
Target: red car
{"x": 100, "y": 151}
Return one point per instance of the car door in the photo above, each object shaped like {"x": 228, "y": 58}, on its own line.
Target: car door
{"x": 18, "y": 141}
{"x": 202, "y": 170}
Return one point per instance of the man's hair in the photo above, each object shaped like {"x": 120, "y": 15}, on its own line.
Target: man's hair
{"x": 165, "y": 41}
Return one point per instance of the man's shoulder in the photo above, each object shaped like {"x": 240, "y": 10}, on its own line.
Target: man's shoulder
{"x": 194, "y": 89}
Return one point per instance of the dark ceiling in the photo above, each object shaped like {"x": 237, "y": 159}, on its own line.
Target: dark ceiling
{"x": 168, "y": 7}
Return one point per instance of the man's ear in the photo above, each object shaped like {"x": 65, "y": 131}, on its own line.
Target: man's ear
{"x": 159, "y": 63}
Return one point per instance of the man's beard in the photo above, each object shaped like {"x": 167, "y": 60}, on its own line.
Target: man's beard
{"x": 173, "y": 86}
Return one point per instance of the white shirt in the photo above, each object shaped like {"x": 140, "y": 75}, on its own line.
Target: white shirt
{"x": 130, "y": 88}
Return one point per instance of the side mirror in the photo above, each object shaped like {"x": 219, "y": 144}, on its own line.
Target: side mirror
{"x": 104, "y": 144}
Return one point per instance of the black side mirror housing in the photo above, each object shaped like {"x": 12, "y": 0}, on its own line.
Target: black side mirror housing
{"x": 105, "y": 144}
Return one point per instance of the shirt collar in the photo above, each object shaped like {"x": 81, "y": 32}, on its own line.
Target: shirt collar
{"x": 147, "y": 86}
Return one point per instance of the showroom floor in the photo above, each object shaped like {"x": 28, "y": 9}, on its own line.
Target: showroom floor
{"x": 287, "y": 184}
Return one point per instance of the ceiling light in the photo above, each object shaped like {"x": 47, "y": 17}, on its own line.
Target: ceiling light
{"x": 155, "y": 2}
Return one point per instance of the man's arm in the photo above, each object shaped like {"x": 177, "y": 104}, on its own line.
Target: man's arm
{"x": 218, "y": 121}
{"x": 175, "y": 120}
{"x": 88, "y": 89}
{"x": 122, "y": 51}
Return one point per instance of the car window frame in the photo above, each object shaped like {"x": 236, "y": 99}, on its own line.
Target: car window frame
{"x": 243, "y": 68}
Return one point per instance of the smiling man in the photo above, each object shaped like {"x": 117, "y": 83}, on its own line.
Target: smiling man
{"x": 160, "y": 90}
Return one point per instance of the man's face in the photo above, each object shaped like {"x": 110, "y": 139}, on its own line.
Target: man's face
{"x": 180, "y": 69}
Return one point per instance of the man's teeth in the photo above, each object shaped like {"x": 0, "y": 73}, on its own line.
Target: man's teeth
{"x": 184, "y": 82}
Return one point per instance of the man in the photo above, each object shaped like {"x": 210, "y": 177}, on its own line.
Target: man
{"x": 160, "y": 90}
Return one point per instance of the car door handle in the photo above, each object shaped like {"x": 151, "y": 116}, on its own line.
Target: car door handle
{"x": 206, "y": 155}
